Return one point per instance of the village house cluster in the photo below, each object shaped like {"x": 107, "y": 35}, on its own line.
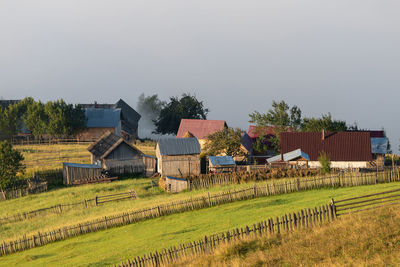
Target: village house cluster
{"x": 115, "y": 129}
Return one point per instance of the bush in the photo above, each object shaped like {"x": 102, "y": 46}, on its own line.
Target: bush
{"x": 325, "y": 163}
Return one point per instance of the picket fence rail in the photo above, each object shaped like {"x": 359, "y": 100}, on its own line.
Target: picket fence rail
{"x": 289, "y": 222}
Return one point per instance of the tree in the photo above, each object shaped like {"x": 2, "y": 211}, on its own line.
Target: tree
{"x": 226, "y": 141}
{"x": 10, "y": 165}
{"x": 36, "y": 119}
{"x": 325, "y": 163}
{"x": 186, "y": 107}
{"x": 325, "y": 122}
{"x": 64, "y": 119}
{"x": 281, "y": 116}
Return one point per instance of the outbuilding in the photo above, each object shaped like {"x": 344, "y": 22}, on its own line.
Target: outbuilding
{"x": 178, "y": 157}
{"x": 74, "y": 173}
{"x": 218, "y": 164}
{"x": 117, "y": 155}
{"x": 175, "y": 184}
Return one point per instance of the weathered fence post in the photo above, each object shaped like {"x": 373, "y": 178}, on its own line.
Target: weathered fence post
{"x": 333, "y": 209}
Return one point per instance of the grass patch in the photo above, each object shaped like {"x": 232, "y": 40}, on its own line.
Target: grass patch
{"x": 117, "y": 244}
{"x": 50, "y": 157}
{"x": 364, "y": 239}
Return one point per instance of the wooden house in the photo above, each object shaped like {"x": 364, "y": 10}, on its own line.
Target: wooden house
{"x": 175, "y": 184}
{"x": 199, "y": 128}
{"x": 178, "y": 157}
{"x": 218, "y": 164}
{"x": 344, "y": 149}
{"x": 119, "y": 118}
{"x": 117, "y": 155}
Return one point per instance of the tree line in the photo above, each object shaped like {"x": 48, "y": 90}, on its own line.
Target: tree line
{"x": 53, "y": 119}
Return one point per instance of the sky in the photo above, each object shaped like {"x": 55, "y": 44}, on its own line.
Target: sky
{"x": 339, "y": 56}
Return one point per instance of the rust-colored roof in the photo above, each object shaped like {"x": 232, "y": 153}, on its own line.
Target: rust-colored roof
{"x": 255, "y": 131}
{"x": 200, "y": 128}
{"x": 341, "y": 146}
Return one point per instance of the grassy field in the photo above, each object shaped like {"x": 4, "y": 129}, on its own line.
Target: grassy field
{"x": 366, "y": 239}
{"x": 117, "y": 244}
{"x": 148, "y": 197}
{"x": 50, "y": 157}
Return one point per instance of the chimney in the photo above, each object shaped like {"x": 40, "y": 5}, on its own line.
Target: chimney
{"x": 323, "y": 134}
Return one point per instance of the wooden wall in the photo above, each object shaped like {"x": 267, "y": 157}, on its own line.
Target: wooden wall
{"x": 71, "y": 174}
{"x": 174, "y": 185}
{"x": 181, "y": 165}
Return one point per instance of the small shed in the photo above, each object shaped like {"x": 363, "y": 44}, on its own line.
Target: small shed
{"x": 178, "y": 157}
{"x": 219, "y": 164}
{"x": 175, "y": 184}
{"x": 117, "y": 155}
{"x": 74, "y": 172}
{"x": 295, "y": 157}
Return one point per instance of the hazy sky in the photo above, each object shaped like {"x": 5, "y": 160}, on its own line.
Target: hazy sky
{"x": 340, "y": 56}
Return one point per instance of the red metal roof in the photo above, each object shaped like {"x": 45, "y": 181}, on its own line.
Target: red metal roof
{"x": 253, "y": 132}
{"x": 200, "y": 128}
{"x": 341, "y": 146}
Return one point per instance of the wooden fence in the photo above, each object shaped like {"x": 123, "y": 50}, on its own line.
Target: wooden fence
{"x": 116, "y": 197}
{"x": 366, "y": 202}
{"x": 335, "y": 180}
{"x": 50, "y": 141}
{"x": 60, "y": 208}
{"x": 24, "y": 191}
{"x": 204, "y": 201}
{"x": 286, "y": 223}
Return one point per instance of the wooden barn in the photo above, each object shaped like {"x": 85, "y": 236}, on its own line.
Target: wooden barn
{"x": 175, "y": 184}
{"x": 219, "y": 164}
{"x": 115, "y": 154}
{"x": 74, "y": 173}
{"x": 178, "y": 157}
{"x": 119, "y": 118}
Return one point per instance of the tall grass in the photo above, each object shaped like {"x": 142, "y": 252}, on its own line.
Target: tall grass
{"x": 365, "y": 239}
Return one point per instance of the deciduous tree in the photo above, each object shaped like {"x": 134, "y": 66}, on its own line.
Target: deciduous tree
{"x": 186, "y": 107}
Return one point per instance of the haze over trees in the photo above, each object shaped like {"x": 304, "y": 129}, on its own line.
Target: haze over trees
{"x": 149, "y": 107}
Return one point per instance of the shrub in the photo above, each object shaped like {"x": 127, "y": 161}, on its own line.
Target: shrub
{"x": 325, "y": 163}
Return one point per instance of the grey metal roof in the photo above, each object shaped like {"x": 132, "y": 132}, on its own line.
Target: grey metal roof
{"x": 290, "y": 156}
{"x": 379, "y": 145}
{"x": 179, "y": 146}
{"x": 78, "y": 165}
{"x": 221, "y": 160}
{"x": 101, "y": 117}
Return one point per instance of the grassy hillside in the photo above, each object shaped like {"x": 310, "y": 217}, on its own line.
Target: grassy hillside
{"x": 117, "y": 244}
{"x": 366, "y": 239}
{"x": 148, "y": 197}
{"x": 49, "y": 157}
